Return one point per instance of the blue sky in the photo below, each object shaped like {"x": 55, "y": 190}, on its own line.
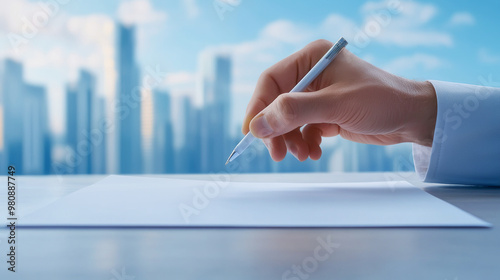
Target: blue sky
{"x": 443, "y": 40}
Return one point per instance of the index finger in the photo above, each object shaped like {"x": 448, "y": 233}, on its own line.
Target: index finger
{"x": 282, "y": 77}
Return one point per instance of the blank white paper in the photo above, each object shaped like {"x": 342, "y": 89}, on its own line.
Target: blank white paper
{"x": 128, "y": 201}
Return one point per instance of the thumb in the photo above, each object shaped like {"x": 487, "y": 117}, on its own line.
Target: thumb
{"x": 289, "y": 111}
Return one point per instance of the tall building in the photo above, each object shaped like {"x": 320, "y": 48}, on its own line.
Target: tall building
{"x": 36, "y": 140}
{"x": 163, "y": 138}
{"x": 85, "y": 92}
{"x": 215, "y": 79}
{"x": 373, "y": 158}
{"x": 71, "y": 136}
{"x": 128, "y": 96}
{"x": 26, "y": 139}
{"x": 147, "y": 117}
{"x": 187, "y": 144}
{"x": 12, "y": 97}
{"x": 350, "y": 155}
{"x": 85, "y": 138}
{"x": 71, "y": 123}
{"x": 99, "y": 136}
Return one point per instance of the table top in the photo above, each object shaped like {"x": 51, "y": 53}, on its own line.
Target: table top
{"x": 231, "y": 253}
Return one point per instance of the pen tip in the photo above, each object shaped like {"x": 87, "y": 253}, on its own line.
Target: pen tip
{"x": 229, "y": 158}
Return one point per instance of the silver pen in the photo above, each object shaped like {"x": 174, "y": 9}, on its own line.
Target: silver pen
{"x": 301, "y": 86}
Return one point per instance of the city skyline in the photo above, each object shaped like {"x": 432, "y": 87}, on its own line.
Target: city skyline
{"x": 78, "y": 50}
{"x": 146, "y": 127}
{"x": 415, "y": 39}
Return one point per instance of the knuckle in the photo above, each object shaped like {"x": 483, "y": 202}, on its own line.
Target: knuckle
{"x": 320, "y": 44}
{"x": 287, "y": 108}
{"x": 266, "y": 74}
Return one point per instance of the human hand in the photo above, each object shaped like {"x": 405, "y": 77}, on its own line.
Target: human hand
{"x": 350, "y": 98}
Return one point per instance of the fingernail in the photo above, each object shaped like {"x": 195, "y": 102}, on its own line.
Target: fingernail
{"x": 261, "y": 127}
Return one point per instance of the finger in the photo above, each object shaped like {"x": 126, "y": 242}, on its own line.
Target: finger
{"x": 292, "y": 110}
{"x": 296, "y": 145}
{"x": 313, "y": 133}
{"x": 312, "y": 136}
{"x": 326, "y": 129}
{"x": 282, "y": 77}
{"x": 276, "y": 147}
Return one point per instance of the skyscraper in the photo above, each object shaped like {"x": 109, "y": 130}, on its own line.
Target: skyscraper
{"x": 36, "y": 135}
{"x": 129, "y": 98}
{"x": 98, "y": 136}
{"x": 71, "y": 136}
{"x": 25, "y": 126}
{"x": 163, "y": 139}
{"x": 12, "y": 98}
{"x": 188, "y": 128}
{"x": 350, "y": 153}
{"x": 157, "y": 132}
{"x": 147, "y": 117}
{"x": 373, "y": 158}
{"x": 85, "y": 92}
{"x": 85, "y": 139}
{"x": 215, "y": 79}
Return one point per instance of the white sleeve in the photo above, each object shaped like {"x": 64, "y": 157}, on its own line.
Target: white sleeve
{"x": 466, "y": 145}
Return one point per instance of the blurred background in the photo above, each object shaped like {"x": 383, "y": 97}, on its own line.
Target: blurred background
{"x": 150, "y": 86}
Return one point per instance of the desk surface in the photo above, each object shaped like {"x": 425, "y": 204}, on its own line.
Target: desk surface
{"x": 125, "y": 254}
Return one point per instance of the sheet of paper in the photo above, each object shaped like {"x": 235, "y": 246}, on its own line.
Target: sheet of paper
{"x": 127, "y": 201}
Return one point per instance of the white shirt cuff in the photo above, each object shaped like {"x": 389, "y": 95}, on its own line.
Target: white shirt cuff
{"x": 421, "y": 159}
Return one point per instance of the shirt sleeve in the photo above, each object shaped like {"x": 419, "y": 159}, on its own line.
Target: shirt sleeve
{"x": 466, "y": 145}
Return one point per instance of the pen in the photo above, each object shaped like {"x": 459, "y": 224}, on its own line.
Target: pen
{"x": 301, "y": 86}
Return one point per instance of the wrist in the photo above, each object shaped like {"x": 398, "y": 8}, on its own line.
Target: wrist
{"x": 424, "y": 113}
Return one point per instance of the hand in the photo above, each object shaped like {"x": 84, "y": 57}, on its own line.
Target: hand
{"x": 351, "y": 98}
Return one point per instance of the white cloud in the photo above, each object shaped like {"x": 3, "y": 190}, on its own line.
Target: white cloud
{"x": 414, "y": 38}
{"x": 402, "y": 23}
{"x": 24, "y": 21}
{"x": 180, "y": 83}
{"x": 21, "y": 13}
{"x": 399, "y": 23}
{"x": 275, "y": 41}
{"x": 91, "y": 29}
{"x": 272, "y": 38}
{"x": 59, "y": 48}
{"x": 335, "y": 26}
{"x": 10, "y": 19}
{"x": 285, "y": 31}
{"x": 95, "y": 37}
{"x": 139, "y": 12}
{"x": 192, "y": 8}
{"x": 462, "y": 18}
{"x": 179, "y": 78}
{"x": 486, "y": 56}
{"x": 423, "y": 61}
